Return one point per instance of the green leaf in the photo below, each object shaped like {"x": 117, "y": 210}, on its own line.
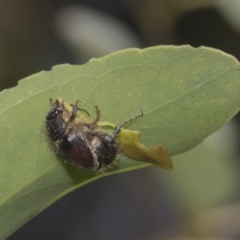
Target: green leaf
{"x": 185, "y": 93}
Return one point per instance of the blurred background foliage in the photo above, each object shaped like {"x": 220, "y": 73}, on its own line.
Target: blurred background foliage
{"x": 200, "y": 198}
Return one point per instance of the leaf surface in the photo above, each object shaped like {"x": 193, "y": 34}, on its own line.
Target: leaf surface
{"x": 185, "y": 93}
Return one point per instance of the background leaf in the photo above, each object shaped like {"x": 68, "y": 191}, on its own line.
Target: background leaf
{"x": 185, "y": 93}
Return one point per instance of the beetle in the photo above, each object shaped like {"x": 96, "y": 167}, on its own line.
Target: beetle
{"x": 83, "y": 143}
